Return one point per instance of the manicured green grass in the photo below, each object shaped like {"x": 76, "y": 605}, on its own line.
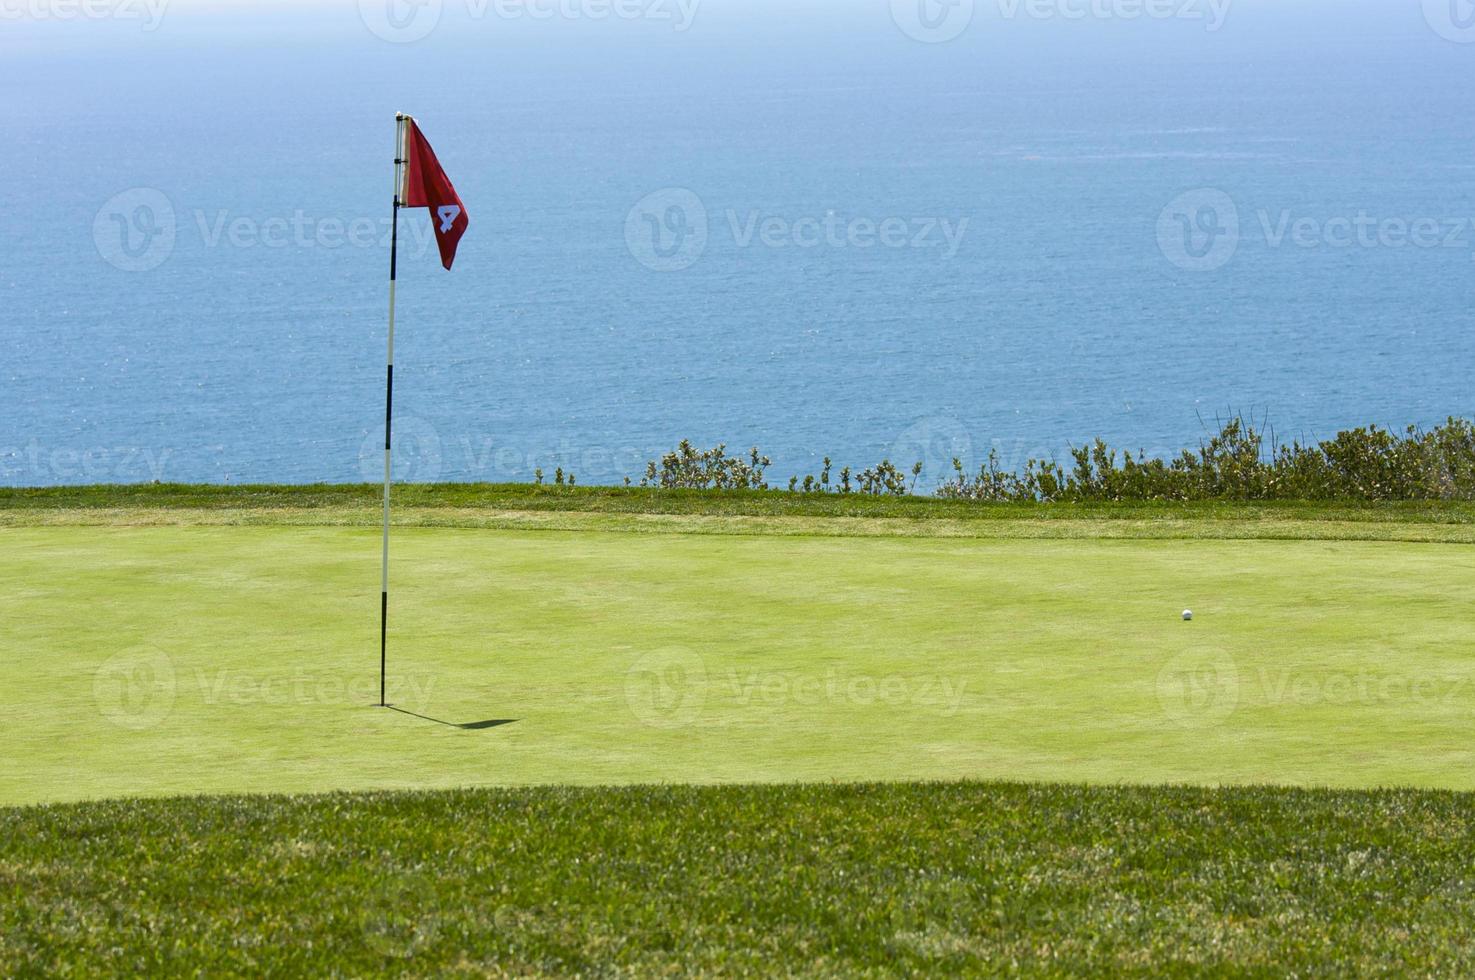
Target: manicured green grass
{"x": 364, "y": 499}
{"x": 796, "y": 880}
{"x": 155, "y": 660}
{"x": 178, "y": 640}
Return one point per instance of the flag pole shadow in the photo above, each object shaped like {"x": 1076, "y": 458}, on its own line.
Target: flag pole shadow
{"x": 471, "y": 726}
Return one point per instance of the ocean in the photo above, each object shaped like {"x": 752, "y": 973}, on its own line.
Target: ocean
{"x": 903, "y": 230}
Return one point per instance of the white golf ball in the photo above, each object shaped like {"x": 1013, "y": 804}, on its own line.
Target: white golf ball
{"x": 1187, "y": 615}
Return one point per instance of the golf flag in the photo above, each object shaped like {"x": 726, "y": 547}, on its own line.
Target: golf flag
{"x": 427, "y": 186}
{"x": 419, "y": 182}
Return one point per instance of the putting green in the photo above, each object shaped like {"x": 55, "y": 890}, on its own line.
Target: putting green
{"x": 166, "y": 660}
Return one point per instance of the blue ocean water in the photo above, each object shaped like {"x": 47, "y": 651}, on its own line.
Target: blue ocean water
{"x": 797, "y": 226}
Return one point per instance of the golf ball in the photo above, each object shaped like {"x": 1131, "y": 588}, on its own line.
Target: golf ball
{"x": 1187, "y": 615}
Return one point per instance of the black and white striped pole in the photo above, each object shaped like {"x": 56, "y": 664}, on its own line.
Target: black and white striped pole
{"x": 399, "y": 165}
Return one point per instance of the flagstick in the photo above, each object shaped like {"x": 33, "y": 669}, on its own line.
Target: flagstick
{"x": 399, "y": 163}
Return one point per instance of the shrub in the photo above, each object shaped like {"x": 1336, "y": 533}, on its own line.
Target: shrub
{"x": 1237, "y": 462}
{"x": 709, "y": 469}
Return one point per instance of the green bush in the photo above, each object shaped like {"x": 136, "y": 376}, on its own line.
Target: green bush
{"x": 1238, "y": 462}
{"x": 689, "y": 468}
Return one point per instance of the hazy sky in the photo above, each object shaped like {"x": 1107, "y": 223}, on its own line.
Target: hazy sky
{"x": 1202, "y": 24}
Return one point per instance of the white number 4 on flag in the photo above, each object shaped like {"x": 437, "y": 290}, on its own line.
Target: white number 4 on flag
{"x": 448, "y": 214}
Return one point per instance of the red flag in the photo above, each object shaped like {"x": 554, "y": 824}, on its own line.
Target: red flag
{"x": 427, "y": 186}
